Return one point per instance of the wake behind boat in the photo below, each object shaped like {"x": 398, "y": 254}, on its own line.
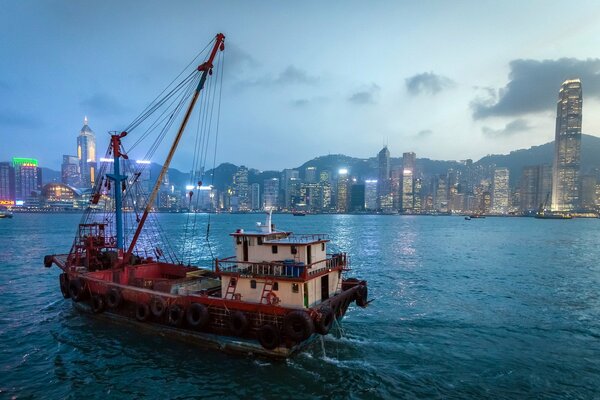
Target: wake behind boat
{"x": 273, "y": 296}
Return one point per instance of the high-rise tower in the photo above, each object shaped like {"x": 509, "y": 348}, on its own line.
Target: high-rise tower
{"x": 86, "y": 153}
{"x": 567, "y": 147}
{"x": 383, "y": 179}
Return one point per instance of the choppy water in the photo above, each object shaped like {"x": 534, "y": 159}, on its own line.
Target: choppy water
{"x": 494, "y": 308}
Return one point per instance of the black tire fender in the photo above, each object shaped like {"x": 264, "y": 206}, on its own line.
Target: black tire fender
{"x": 97, "y": 303}
{"x": 238, "y": 323}
{"x": 175, "y": 315}
{"x": 362, "y": 295}
{"x": 142, "y": 312}
{"x": 63, "y": 280}
{"x": 324, "y": 321}
{"x": 269, "y": 336}
{"x": 197, "y": 315}
{"x": 158, "y": 306}
{"x": 298, "y": 325}
{"x": 77, "y": 289}
{"x": 114, "y": 298}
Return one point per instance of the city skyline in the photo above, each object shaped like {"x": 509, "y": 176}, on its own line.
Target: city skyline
{"x": 486, "y": 101}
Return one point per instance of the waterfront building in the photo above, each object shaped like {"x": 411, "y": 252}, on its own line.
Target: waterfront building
{"x": 255, "y": 203}
{"x": 588, "y": 192}
{"x": 417, "y": 200}
{"x": 501, "y": 191}
{"x": 290, "y": 185}
{"x": 310, "y": 175}
{"x": 69, "y": 171}
{"x": 325, "y": 195}
{"x": 241, "y": 189}
{"x": 567, "y": 147}
{"x": 535, "y": 188}
{"x": 371, "y": 194}
{"x": 28, "y": 179}
{"x": 271, "y": 194}
{"x": 86, "y": 153}
{"x": 324, "y": 176}
{"x": 357, "y": 197}
{"x": 383, "y": 180}
{"x": 60, "y": 196}
{"x": 440, "y": 200}
{"x": 395, "y": 189}
{"x": 343, "y": 187}
{"x": 7, "y": 184}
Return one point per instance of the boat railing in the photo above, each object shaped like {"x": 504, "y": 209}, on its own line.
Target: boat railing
{"x": 301, "y": 238}
{"x": 281, "y": 268}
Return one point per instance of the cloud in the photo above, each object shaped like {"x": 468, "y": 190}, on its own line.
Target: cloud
{"x": 237, "y": 61}
{"x": 103, "y": 103}
{"x": 291, "y": 75}
{"x": 512, "y": 128}
{"x": 19, "y": 120}
{"x": 533, "y": 86}
{"x": 422, "y": 134}
{"x": 307, "y": 102}
{"x": 365, "y": 96}
{"x": 428, "y": 83}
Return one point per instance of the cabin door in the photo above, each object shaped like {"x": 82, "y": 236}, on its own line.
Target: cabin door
{"x": 324, "y": 287}
{"x": 245, "y": 249}
{"x": 308, "y": 255}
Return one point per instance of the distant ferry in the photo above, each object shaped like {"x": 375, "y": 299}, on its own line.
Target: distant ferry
{"x": 545, "y": 214}
{"x": 299, "y": 214}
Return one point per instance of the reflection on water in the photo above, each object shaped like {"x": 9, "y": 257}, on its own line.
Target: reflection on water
{"x": 494, "y": 308}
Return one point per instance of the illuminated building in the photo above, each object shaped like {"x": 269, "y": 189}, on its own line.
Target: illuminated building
{"x": 69, "y": 171}
{"x": 500, "y": 190}
{"x": 371, "y": 194}
{"x": 255, "y": 196}
{"x": 343, "y": 187}
{"x": 290, "y": 184}
{"x": 62, "y": 196}
{"x": 28, "y": 178}
{"x": 7, "y": 184}
{"x": 588, "y": 192}
{"x": 271, "y": 194}
{"x": 395, "y": 194}
{"x": 86, "y": 153}
{"x": 384, "y": 201}
{"x": 567, "y": 147}
{"x": 241, "y": 189}
{"x": 535, "y": 187}
{"x": 310, "y": 175}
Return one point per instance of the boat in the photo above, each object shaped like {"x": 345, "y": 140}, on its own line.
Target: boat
{"x": 544, "y": 211}
{"x": 276, "y": 293}
{"x": 299, "y": 214}
{"x": 6, "y": 214}
{"x": 476, "y": 216}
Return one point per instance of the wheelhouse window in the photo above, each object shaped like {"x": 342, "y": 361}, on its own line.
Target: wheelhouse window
{"x": 322, "y": 246}
{"x": 295, "y": 288}
{"x": 274, "y": 249}
{"x": 252, "y": 284}
{"x": 275, "y": 285}
{"x": 238, "y": 239}
{"x": 294, "y": 250}
{"x": 259, "y": 240}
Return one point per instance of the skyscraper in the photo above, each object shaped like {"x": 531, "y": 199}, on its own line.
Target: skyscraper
{"x": 500, "y": 191}
{"x": 86, "y": 153}
{"x": 343, "y": 188}
{"x": 28, "y": 178}
{"x": 70, "y": 171}
{"x": 310, "y": 174}
{"x": 384, "y": 200}
{"x": 535, "y": 187}
{"x": 241, "y": 189}
{"x": 7, "y": 184}
{"x": 255, "y": 196}
{"x": 567, "y": 147}
{"x": 409, "y": 161}
{"x": 270, "y": 194}
{"x": 371, "y": 194}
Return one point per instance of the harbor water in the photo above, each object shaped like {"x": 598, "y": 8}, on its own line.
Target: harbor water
{"x": 487, "y": 309}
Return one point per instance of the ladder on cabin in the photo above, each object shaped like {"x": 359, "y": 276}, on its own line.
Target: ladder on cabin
{"x": 230, "y": 293}
{"x": 266, "y": 292}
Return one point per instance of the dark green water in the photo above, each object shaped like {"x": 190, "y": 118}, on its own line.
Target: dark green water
{"x": 494, "y": 308}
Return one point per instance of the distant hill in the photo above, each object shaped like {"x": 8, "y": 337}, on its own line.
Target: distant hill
{"x": 367, "y": 168}
{"x": 544, "y": 154}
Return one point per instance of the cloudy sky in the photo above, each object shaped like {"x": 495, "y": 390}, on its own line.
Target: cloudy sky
{"x": 448, "y": 80}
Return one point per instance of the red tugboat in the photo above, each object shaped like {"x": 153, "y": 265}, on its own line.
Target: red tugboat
{"x": 278, "y": 291}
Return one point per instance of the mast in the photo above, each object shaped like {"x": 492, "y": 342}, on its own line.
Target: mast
{"x": 206, "y": 69}
{"x": 117, "y": 178}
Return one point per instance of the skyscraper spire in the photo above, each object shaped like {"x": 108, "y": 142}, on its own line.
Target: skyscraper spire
{"x": 85, "y": 120}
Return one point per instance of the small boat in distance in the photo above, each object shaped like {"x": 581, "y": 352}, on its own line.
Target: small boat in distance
{"x": 299, "y": 214}
{"x": 6, "y": 214}
{"x": 545, "y": 213}
{"x": 475, "y": 216}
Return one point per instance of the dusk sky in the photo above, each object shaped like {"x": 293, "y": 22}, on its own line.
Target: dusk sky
{"x": 447, "y": 80}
